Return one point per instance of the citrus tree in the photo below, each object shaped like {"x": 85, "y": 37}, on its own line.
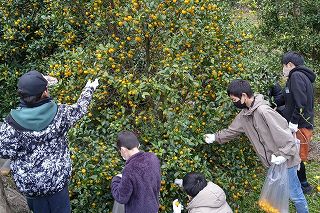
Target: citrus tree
{"x": 292, "y": 25}
{"x": 163, "y": 67}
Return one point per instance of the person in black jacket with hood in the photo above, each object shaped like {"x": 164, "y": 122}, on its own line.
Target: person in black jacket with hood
{"x": 296, "y": 104}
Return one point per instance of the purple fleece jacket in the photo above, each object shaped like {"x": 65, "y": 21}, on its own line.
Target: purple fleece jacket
{"x": 139, "y": 187}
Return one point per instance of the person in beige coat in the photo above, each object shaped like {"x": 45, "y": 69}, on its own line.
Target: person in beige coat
{"x": 206, "y": 197}
{"x": 267, "y": 131}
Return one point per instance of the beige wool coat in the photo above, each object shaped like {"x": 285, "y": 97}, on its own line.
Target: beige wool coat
{"x": 211, "y": 199}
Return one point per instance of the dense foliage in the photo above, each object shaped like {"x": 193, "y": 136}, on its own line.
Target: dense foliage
{"x": 295, "y": 24}
{"x": 163, "y": 68}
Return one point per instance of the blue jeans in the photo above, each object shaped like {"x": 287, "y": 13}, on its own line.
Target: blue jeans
{"x": 57, "y": 203}
{"x": 296, "y": 193}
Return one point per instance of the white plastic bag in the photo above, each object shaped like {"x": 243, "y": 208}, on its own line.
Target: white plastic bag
{"x": 274, "y": 196}
{"x": 297, "y": 141}
{"x": 118, "y": 208}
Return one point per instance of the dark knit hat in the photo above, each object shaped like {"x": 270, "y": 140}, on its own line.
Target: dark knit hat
{"x": 32, "y": 83}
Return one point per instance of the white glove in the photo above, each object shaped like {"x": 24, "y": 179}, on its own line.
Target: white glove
{"x": 178, "y": 182}
{"x": 51, "y": 80}
{"x": 293, "y": 127}
{"x": 209, "y": 138}
{"x": 94, "y": 84}
{"x": 119, "y": 175}
{"x": 176, "y": 206}
{"x": 277, "y": 160}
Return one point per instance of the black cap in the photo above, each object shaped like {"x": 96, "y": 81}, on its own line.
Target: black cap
{"x": 32, "y": 83}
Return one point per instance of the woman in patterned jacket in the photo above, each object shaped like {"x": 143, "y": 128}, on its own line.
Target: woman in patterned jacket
{"x": 34, "y": 138}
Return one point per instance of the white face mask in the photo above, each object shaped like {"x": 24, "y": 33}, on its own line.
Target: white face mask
{"x": 286, "y": 70}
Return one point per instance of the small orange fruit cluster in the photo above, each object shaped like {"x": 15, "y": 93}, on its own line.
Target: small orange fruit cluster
{"x": 267, "y": 207}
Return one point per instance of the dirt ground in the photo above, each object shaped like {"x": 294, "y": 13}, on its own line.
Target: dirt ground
{"x": 314, "y": 154}
{"x": 315, "y": 144}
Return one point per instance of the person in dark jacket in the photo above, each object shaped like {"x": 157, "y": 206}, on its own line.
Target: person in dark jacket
{"x": 138, "y": 187}
{"x": 276, "y": 93}
{"x": 296, "y": 104}
{"x": 34, "y": 138}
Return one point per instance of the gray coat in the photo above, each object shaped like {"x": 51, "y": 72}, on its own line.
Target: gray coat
{"x": 267, "y": 131}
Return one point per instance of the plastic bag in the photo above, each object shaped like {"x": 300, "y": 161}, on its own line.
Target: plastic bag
{"x": 274, "y": 197}
{"x": 117, "y": 207}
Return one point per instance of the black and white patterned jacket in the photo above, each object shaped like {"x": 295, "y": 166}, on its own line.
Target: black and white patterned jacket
{"x": 40, "y": 160}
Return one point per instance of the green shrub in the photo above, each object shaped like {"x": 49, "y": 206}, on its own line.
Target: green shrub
{"x": 163, "y": 68}
{"x": 295, "y": 24}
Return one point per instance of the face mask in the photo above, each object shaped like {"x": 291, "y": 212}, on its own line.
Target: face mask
{"x": 239, "y": 105}
{"x": 286, "y": 71}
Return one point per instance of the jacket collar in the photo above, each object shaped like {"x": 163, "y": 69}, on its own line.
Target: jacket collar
{"x": 39, "y": 103}
{"x": 258, "y": 101}
{"x": 134, "y": 156}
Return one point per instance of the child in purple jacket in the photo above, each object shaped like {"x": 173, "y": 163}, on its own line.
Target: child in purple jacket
{"x": 138, "y": 187}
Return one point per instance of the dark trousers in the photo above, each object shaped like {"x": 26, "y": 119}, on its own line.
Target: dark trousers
{"x": 57, "y": 203}
{"x": 302, "y": 175}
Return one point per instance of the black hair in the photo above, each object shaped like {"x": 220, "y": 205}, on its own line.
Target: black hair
{"x": 29, "y": 100}
{"x": 127, "y": 139}
{"x": 193, "y": 183}
{"x": 293, "y": 57}
{"x": 239, "y": 86}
